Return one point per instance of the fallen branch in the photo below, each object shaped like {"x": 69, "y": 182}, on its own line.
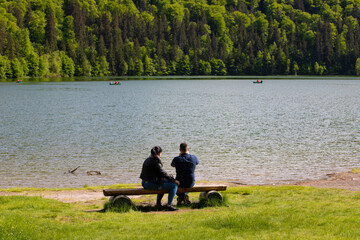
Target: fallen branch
{"x": 93, "y": 173}
{"x": 71, "y": 171}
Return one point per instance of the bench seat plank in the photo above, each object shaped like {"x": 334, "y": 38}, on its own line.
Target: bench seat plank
{"x": 142, "y": 191}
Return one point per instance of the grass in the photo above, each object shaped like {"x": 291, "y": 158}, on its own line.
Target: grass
{"x": 281, "y": 212}
{"x": 355, "y": 170}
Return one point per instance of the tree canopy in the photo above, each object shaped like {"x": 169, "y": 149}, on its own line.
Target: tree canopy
{"x": 178, "y": 37}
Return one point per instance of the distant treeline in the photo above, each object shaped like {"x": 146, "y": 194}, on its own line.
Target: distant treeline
{"x": 178, "y": 37}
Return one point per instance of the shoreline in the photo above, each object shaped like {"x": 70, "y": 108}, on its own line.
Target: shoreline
{"x": 344, "y": 180}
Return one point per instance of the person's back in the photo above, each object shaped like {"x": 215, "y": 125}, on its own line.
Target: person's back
{"x": 185, "y": 165}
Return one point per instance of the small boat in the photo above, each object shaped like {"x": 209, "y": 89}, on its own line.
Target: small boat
{"x": 258, "y": 81}
{"x": 114, "y": 83}
{"x": 18, "y": 81}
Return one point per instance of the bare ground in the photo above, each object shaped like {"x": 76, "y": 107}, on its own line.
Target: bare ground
{"x": 346, "y": 180}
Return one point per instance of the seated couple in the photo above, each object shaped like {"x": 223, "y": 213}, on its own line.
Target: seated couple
{"x": 154, "y": 177}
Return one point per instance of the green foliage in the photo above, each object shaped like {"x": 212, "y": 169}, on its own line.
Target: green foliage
{"x": 205, "y": 67}
{"x": 67, "y": 66}
{"x": 149, "y": 66}
{"x": 5, "y": 67}
{"x": 33, "y": 64}
{"x": 357, "y": 67}
{"x": 319, "y": 70}
{"x": 174, "y": 11}
{"x": 101, "y": 38}
{"x": 36, "y": 27}
{"x": 184, "y": 66}
{"x": 16, "y": 68}
{"x": 218, "y": 67}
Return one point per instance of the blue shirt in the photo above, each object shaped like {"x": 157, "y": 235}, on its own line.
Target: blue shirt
{"x": 185, "y": 165}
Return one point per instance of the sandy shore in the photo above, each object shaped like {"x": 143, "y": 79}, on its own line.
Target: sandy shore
{"x": 346, "y": 180}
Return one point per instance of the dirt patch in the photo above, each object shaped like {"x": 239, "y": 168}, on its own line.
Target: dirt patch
{"x": 346, "y": 180}
{"x": 67, "y": 196}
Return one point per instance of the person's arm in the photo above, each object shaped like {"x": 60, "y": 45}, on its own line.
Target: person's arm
{"x": 173, "y": 162}
{"x": 196, "y": 160}
{"x": 162, "y": 172}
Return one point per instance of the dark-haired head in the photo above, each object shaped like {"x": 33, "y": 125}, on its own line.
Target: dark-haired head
{"x": 155, "y": 152}
{"x": 183, "y": 147}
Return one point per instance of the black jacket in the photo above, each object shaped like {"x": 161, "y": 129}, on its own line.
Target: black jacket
{"x": 152, "y": 171}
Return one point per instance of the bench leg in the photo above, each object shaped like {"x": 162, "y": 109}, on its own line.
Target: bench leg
{"x": 121, "y": 201}
{"x": 211, "y": 196}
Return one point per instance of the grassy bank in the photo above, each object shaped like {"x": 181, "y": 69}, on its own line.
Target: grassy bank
{"x": 288, "y": 212}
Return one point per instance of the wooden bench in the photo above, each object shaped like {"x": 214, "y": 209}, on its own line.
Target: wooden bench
{"x": 119, "y": 197}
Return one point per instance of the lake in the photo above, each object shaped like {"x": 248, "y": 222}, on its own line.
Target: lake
{"x": 280, "y": 131}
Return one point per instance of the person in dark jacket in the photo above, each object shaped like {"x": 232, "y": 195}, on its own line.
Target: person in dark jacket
{"x": 185, "y": 165}
{"x": 156, "y": 178}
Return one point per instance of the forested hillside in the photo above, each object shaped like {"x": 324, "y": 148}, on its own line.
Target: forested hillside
{"x": 178, "y": 37}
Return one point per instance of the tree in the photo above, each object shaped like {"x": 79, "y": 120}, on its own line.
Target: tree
{"x": 50, "y": 31}
{"x": 67, "y": 65}
{"x": 145, "y": 37}
{"x": 184, "y": 66}
{"x": 33, "y": 64}
{"x": 319, "y": 70}
{"x": 10, "y": 47}
{"x": 139, "y": 67}
{"x": 162, "y": 67}
{"x": 218, "y": 67}
{"x": 37, "y": 27}
{"x": 44, "y": 70}
{"x": 55, "y": 64}
{"x": 357, "y": 67}
{"x": 69, "y": 36}
{"x": 295, "y": 68}
{"x": 5, "y": 67}
{"x": 3, "y": 37}
{"x": 79, "y": 26}
{"x": 149, "y": 66}
{"x": 16, "y": 68}
{"x": 204, "y": 67}
{"x": 101, "y": 50}
{"x": 103, "y": 66}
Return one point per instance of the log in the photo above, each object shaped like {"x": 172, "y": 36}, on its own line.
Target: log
{"x": 142, "y": 191}
{"x": 72, "y": 171}
{"x": 211, "y": 195}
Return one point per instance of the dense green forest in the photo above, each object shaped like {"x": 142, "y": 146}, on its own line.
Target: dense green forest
{"x": 178, "y": 37}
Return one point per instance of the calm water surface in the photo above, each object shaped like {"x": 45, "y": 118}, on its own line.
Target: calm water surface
{"x": 278, "y": 131}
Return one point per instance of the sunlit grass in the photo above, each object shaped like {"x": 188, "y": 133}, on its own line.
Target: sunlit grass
{"x": 287, "y": 212}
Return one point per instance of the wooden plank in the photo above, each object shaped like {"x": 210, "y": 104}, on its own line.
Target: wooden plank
{"x": 142, "y": 191}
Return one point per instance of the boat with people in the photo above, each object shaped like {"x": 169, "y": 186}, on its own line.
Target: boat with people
{"x": 19, "y": 81}
{"x": 258, "y": 81}
{"x": 114, "y": 83}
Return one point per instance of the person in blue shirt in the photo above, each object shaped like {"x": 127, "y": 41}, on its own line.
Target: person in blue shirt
{"x": 185, "y": 165}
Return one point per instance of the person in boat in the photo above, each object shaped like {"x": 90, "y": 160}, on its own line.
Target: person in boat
{"x": 154, "y": 177}
{"x": 185, "y": 165}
